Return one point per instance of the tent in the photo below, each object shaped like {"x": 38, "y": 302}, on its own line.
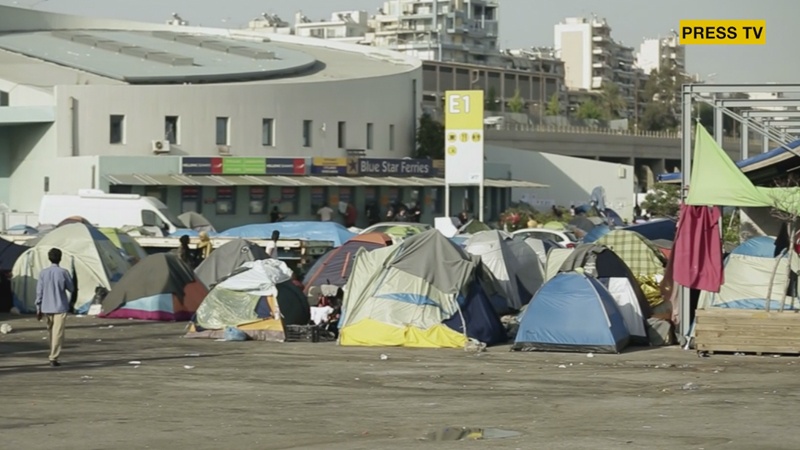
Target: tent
{"x": 9, "y": 252}
{"x": 516, "y": 267}
{"x": 159, "y": 287}
{"x": 126, "y": 243}
{"x": 423, "y": 292}
{"x": 87, "y": 253}
{"x": 335, "y": 266}
{"x": 196, "y": 222}
{"x": 74, "y": 219}
{"x": 596, "y": 233}
{"x": 227, "y": 258}
{"x": 554, "y": 225}
{"x": 258, "y": 299}
{"x": 582, "y": 223}
{"x": 540, "y": 246}
{"x": 641, "y": 256}
{"x": 605, "y": 265}
{"x": 310, "y": 231}
{"x": 572, "y": 312}
{"x": 656, "y": 229}
{"x": 747, "y": 274}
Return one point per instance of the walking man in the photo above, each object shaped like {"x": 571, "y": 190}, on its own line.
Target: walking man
{"x": 52, "y": 302}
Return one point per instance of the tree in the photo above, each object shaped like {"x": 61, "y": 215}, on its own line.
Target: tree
{"x": 658, "y": 116}
{"x": 611, "y": 101}
{"x": 491, "y": 99}
{"x": 430, "y": 138}
{"x": 553, "y": 106}
{"x": 590, "y": 110}
{"x": 663, "y": 201}
{"x": 662, "y": 96}
{"x": 516, "y": 104}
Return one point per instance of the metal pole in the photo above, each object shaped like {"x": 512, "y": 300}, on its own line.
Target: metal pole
{"x": 480, "y": 201}
{"x": 686, "y": 163}
{"x": 447, "y": 200}
{"x": 718, "y": 123}
{"x": 745, "y": 141}
{"x": 764, "y": 143}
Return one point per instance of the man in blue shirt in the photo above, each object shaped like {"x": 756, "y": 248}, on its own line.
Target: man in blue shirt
{"x": 52, "y": 302}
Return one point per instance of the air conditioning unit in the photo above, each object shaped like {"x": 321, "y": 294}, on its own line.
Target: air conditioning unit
{"x": 224, "y": 150}
{"x": 160, "y": 146}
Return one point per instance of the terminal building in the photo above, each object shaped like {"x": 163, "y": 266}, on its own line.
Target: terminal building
{"x": 230, "y": 123}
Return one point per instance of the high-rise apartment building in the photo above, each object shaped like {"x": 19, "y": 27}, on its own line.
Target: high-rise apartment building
{"x": 592, "y": 59}
{"x": 462, "y": 31}
{"x": 661, "y": 53}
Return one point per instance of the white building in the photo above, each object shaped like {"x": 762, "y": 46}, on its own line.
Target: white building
{"x": 661, "y": 53}
{"x": 593, "y": 58}
{"x": 270, "y": 23}
{"x": 117, "y": 105}
{"x": 346, "y": 26}
{"x": 462, "y": 31}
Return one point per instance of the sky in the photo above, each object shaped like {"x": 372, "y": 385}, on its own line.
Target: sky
{"x": 523, "y": 23}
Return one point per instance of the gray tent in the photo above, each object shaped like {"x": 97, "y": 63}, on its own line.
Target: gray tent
{"x": 229, "y": 257}
{"x": 197, "y": 222}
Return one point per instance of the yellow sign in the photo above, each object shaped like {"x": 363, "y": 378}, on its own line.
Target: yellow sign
{"x": 476, "y": 137}
{"x": 723, "y": 32}
{"x": 333, "y": 162}
{"x": 451, "y": 151}
{"x": 463, "y": 110}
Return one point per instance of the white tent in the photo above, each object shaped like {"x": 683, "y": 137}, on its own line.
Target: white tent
{"x": 514, "y": 264}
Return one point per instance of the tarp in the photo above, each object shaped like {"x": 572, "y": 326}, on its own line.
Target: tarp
{"x": 227, "y": 258}
{"x": 258, "y": 299}
{"x": 596, "y": 233}
{"x": 159, "y": 287}
{"x": 572, "y": 312}
{"x": 747, "y": 280}
{"x": 517, "y": 270}
{"x": 403, "y": 295}
{"x": 126, "y": 243}
{"x": 309, "y": 231}
{"x": 9, "y": 252}
{"x": 759, "y": 246}
{"x": 87, "y": 253}
{"x": 334, "y": 267}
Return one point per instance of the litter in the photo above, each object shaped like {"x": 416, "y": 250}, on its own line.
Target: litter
{"x": 690, "y": 387}
{"x": 384, "y": 357}
{"x": 590, "y": 355}
{"x": 562, "y": 366}
{"x": 193, "y": 355}
{"x": 188, "y": 367}
{"x": 135, "y": 363}
{"x": 6, "y": 328}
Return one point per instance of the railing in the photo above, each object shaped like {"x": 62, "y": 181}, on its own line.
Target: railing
{"x": 603, "y": 131}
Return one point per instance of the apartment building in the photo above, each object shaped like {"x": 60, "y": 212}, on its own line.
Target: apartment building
{"x": 348, "y": 26}
{"x": 661, "y": 53}
{"x": 592, "y": 58}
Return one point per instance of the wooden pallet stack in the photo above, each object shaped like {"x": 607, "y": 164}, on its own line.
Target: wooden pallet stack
{"x": 747, "y": 331}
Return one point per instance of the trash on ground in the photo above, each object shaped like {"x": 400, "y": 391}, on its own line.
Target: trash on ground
{"x": 562, "y": 366}
{"x": 188, "y": 367}
{"x": 590, "y": 355}
{"x": 193, "y": 355}
{"x": 464, "y": 434}
{"x": 135, "y": 363}
{"x": 6, "y": 328}
{"x": 690, "y": 387}
{"x": 384, "y": 357}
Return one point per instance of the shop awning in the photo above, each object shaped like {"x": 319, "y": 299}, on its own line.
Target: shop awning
{"x": 298, "y": 181}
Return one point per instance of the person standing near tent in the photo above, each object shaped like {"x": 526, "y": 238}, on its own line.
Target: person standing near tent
{"x": 325, "y": 213}
{"x": 350, "y": 216}
{"x": 53, "y": 302}
{"x": 204, "y": 246}
{"x": 184, "y": 252}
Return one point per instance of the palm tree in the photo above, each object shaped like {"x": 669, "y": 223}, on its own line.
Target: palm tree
{"x": 612, "y": 101}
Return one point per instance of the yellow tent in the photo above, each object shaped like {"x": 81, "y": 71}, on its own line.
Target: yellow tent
{"x": 126, "y": 243}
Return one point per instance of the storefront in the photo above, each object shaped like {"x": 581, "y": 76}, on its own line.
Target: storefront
{"x": 233, "y": 191}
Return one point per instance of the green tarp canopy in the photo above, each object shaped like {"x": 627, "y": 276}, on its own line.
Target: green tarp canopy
{"x": 717, "y": 181}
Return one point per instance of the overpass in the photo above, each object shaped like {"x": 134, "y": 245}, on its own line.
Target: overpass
{"x": 651, "y": 153}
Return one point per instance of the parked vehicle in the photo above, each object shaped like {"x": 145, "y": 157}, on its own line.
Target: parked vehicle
{"x": 110, "y": 210}
{"x": 563, "y": 238}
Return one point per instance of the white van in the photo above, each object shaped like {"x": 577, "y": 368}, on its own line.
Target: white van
{"x": 110, "y": 210}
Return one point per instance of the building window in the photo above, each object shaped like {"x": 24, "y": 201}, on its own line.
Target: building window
{"x": 342, "y": 135}
{"x": 307, "y": 124}
{"x": 319, "y": 196}
{"x": 369, "y": 136}
{"x": 116, "y": 124}
{"x": 258, "y": 200}
{"x": 289, "y": 201}
{"x": 391, "y": 137}
{"x": 268, "y": 132}
{"x": 4, "y": 100}
{"x": 226, "y": 201}
{"x": 191, "y": 198}
{"x": 171, "y": 131}
{"x": 223, "y": 126}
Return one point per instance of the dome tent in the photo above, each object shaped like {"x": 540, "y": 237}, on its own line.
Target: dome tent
{"x": 227, "y": 258}
{"x": 88, "y": 254}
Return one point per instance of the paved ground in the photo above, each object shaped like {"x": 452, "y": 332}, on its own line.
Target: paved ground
{"x": 189, "y": 394}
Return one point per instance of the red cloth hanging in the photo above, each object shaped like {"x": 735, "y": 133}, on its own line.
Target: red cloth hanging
{"x": 697, "y": 252}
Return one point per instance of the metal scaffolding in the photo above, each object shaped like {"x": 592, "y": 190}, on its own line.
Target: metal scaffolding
{"x": 773, "y": 124}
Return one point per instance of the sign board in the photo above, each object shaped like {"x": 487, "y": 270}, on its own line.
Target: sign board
{"x": 391, "y": 167}
{"x": 242, "y": 166}
{"x": 463, "y": 137}
{"x": 329, "y": 166}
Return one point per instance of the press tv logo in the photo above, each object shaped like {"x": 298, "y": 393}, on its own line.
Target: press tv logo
{"x": 723, "y": 32}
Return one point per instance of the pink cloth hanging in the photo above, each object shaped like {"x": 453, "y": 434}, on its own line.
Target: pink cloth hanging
{"x": 697, "y": 252}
